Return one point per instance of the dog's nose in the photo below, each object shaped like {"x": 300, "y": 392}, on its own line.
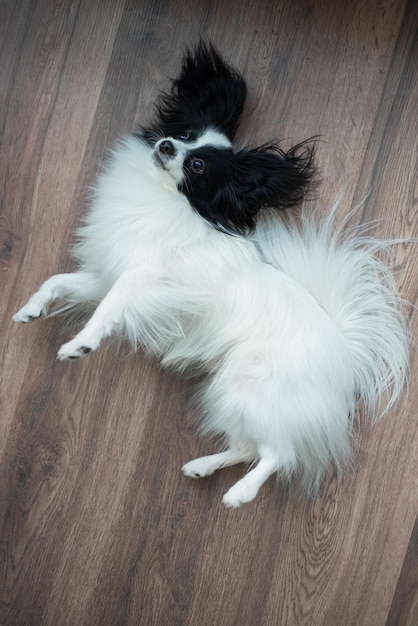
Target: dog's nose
{"x": 166, "y": 147}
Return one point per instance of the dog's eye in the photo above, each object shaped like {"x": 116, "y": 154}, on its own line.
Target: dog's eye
{"x": 198, "y": 166}
{"x": 183, "y": 136}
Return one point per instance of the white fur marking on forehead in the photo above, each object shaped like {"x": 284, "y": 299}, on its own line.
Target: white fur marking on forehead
{"x": 212, "y": 137}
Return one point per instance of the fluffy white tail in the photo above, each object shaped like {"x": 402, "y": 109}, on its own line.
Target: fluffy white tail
{"x": 343, "y": 269}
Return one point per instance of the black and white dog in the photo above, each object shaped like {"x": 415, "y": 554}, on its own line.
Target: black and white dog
{"x": 182, "y": 251}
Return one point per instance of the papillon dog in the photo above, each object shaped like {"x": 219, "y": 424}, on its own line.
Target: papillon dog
{"x": 184, "y": 253}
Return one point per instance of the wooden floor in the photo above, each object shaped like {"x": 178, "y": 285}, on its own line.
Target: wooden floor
{"x": 98, "y": 525}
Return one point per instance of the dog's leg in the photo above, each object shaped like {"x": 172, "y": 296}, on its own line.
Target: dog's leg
{"x": 56, "y": 287}
{"x": 107, "y": 315}
{"x": 101, "y": 324}
{"x": 247, "y": 488}
{"x": 207, "y": 465}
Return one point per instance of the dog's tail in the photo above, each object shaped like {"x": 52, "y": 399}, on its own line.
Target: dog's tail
{"x": 343, "y": 269}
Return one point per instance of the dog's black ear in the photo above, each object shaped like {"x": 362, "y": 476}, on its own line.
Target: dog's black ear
{"x": 265, "y": 177}
{"x": 207, "y": 93}
{"x": 270, "y": 177}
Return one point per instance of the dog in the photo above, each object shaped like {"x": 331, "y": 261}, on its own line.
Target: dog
{"x": 183, "y": 251}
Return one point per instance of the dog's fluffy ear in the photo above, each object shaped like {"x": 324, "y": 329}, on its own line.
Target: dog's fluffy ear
{"x": 271, "y": 177}
{"x": 207, "y": 93}
{"x": 264, "y": 177}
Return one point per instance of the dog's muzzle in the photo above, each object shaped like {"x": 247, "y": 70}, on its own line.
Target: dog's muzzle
{"x": 164, "y": 151}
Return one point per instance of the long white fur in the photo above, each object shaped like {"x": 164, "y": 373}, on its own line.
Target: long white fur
{"x": 292, "y": 324}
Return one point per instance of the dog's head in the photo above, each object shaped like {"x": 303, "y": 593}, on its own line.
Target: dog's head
{"x": 191, "y": 141}
{"x": 229, "y": 188}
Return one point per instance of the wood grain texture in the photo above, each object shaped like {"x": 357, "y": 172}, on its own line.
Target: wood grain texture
{"x": 98, "y": 527}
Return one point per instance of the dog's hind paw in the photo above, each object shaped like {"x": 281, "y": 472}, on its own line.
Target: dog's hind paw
{"x": 239, "y": 494}
{"x": 199, "y": 468}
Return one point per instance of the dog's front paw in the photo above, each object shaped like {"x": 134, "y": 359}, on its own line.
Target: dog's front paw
{"x": 31, "y": 311}
{"x": 73, "y": 350}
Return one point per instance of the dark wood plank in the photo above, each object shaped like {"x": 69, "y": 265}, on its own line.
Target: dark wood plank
{"x": 404, "y": 608}
{"x": 98, "y": 526}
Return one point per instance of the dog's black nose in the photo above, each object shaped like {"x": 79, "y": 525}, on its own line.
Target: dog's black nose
{"x": 166, "y": 147}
